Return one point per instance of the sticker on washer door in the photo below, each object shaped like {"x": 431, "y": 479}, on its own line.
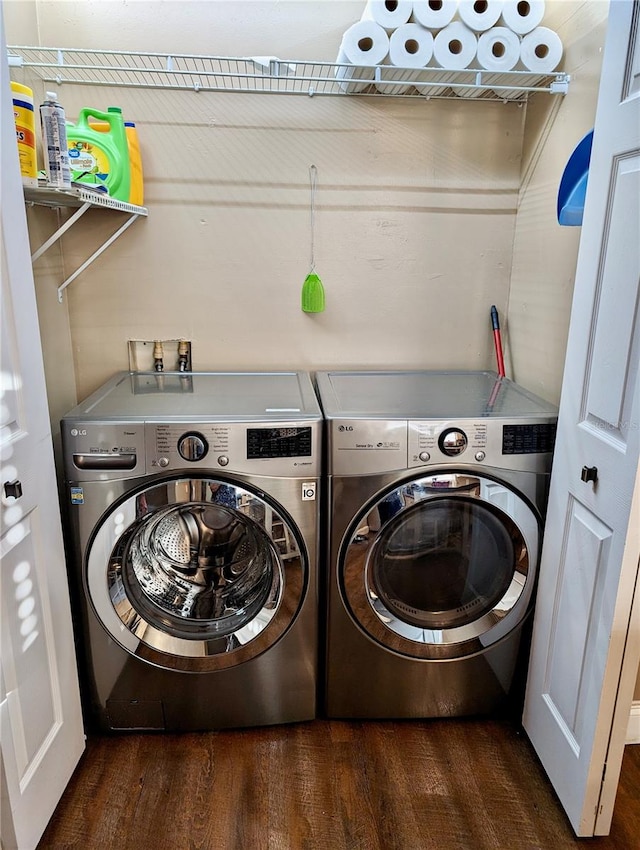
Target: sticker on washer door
{"x": 308, "y": 491}
{"x": 77, "y": 496}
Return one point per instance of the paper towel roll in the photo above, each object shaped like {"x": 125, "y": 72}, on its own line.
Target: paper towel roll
{"x": 480, "y": 15}
{"x": 365, "y": 43}
{"x": 434, "y": 14}
{"x": 541, "y": 50}
{"x": 498, "y": 49}
{"x": 390, "y": 14}
{"x": 410, "y": 46}
{"x": 522, "y": 16}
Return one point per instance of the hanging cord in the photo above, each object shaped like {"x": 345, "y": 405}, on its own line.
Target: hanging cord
{"x": 313, "y": 177}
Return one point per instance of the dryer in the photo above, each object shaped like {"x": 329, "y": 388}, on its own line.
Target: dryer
{"x": 436, "y": 492}
{"x": 192, "y": 524}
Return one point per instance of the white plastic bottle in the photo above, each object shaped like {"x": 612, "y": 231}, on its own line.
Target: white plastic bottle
{"x": 54, "y": 142}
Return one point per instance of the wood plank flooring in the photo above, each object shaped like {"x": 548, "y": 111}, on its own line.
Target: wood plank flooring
{"x": 327, "y": 785}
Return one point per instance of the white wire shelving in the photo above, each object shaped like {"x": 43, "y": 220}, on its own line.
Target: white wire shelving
{"x": 270, "y": 75}
{"x": 255, "y": 75}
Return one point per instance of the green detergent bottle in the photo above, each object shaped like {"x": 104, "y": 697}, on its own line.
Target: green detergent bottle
{"x": 100, "y": 159}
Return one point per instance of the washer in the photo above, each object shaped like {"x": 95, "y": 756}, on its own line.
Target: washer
{"x": 193, "y": 539}
{"x": 437, "y": 488}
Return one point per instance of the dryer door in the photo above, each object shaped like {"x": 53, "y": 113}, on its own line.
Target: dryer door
{"x": 441, "y": 567}
{"x": 195, "y": 574}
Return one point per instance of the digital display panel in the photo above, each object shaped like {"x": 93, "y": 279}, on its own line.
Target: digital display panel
{"x": 528, "y": 439}
{"x": 278, "y": 442}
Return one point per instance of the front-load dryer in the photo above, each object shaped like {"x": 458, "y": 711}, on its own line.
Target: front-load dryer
{"x": 436, "y": 491}
{"x": 192, "y": 508}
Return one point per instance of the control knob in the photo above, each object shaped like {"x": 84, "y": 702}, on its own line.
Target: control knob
{"x": 192, "y": 446}
{"x": 452, "y": 442}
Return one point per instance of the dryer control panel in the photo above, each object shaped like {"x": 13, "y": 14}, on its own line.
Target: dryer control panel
{"x": 526, "y": 445}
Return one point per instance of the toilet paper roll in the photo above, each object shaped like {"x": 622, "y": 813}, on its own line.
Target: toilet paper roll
{"x": 410, "y": 46}
{"x": 365, "y": 43}
{"x": 498, "y": 49}
{"x": 455, "y": 46}
{"x": 522, "y": 16}
{"x": 541, "y": 50}
{"x": 389, "y": 14}
{"x": 433, "y": 14}
{"x": 480, "y": 15}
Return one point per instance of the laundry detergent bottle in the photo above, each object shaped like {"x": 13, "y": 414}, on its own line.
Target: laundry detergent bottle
{"x": 100, "y": 159}
{"x": 136, "y": 187}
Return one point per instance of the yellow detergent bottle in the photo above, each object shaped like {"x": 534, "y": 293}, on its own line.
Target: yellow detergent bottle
{"x": 25, "y": 120}
{"x": 136, "y": 188}
{"x": 100, "y": 159}
{"x": 136, "y": 191}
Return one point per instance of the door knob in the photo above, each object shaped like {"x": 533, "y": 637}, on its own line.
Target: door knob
{"x": 589, "y": 473}
{"x": 13, "y": 489}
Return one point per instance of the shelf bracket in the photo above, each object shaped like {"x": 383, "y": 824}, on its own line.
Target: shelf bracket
{"x": 97, "y": 253}
{"x": 59, "y": 232}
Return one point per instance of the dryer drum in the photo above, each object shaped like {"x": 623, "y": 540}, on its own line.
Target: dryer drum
{"x": 444, "y": 577}
{"x": 445, "y": 566}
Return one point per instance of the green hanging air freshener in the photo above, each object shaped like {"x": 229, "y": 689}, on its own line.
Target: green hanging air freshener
{"x": 312, "y": 300}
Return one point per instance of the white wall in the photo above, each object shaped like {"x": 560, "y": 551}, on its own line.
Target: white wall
{"x": 415, "y": 208}
{"x": 544, "y": 254}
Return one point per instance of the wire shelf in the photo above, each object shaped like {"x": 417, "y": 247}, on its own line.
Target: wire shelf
{"x": 46, "y": 196}
{"x": 276, "y": 76}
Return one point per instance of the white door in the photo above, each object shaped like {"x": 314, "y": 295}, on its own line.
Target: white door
{"x": 41, "y": 722}
{"x": 586, "y": 638}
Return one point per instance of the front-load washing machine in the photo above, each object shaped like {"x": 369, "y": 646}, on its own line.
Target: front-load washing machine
{"x": 192, "y": 508}
{"x": 436, "y": 495}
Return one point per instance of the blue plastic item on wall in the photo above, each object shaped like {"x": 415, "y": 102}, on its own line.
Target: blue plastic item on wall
{"x": 573, "y": 186}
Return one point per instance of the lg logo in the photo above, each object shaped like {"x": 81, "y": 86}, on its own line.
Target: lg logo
{"x": 78, "y": 432}
{"x": 345, "y": 427}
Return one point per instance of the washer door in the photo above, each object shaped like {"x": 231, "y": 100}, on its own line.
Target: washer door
{"x": 441, "y": 567}
{"x": 195, "y": 574}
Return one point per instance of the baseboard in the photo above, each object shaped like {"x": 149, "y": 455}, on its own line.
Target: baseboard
{"x": 633, "y": 729}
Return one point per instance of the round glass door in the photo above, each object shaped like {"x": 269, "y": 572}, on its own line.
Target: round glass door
{"x": 189, "y": 574}
{"x": 441, "y": 567}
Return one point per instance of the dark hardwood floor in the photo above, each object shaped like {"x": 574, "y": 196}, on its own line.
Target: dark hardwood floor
{"x": 327, "y": 785}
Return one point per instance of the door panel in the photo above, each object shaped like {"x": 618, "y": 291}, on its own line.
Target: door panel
{"x": 41, "y": 723}
{"x": 579, "y": 676}
{"x": 613, "y": 370}
{"x": 588, "y": 542}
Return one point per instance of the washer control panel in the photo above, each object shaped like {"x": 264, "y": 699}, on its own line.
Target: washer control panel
{"x": 266, "y": 448}
{"x": 101, "y": 451}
